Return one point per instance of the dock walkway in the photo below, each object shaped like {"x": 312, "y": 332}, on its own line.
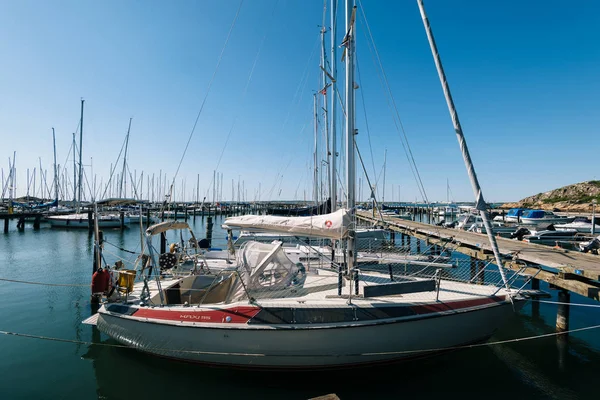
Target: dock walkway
{"x": 565, "y": 269}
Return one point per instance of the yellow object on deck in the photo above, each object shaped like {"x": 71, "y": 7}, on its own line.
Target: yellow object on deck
{"x": 126, "y": 278}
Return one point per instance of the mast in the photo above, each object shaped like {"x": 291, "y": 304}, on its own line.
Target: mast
{"x": 315, "y": 158}
{"x": 332, "y": 111}
{"x": 324, "y": 93}
{"x": 80, "y": 153}
{"x": 123, "y": 192}
{"x": 384, "y": 168}
{"x": 350, "y": 130}
{"x": 13, "y": 189}
{"x": 74, "y": 169}
{"x": 480, "y": 202}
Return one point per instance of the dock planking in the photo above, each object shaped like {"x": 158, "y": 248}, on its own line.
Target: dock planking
{"x": 570, "y": 270}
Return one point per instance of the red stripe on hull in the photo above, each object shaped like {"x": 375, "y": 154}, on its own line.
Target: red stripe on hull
{"x": 239, "y": 315}
{"x": 456, "y": 305}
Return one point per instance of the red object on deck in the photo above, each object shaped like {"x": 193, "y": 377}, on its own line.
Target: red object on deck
{"x": 100, "y": 281}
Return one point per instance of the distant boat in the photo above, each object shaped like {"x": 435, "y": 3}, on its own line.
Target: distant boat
{"x": 513, "y": 215}
{"x": 535, "y": 217}
{"x": 174, "y": 215}
{"x": 81, "y": 221}
{"x": 580, "y": 224}
{"x": 550, "y": 235}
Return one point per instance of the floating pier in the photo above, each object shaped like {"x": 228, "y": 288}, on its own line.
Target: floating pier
{"x": 568, "y": 271}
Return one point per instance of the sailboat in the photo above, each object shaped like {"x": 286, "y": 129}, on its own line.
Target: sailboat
{"x": 265, "y": 311}
{"x": 80, "y": 220}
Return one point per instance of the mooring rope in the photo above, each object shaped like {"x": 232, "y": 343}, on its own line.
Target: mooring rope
{"x": 432, "y": 350}
{"x": 567, "y": 304}
{"x": 45, "y": 283}
{"x": 120, "y": 248}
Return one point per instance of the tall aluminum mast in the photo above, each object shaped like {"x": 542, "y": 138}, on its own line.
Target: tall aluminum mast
{"x": 480, "y": 202}
{"x": 80, "y": 153}
{"x": 349, "y": 44}
{"x": 325, "y": 113}
{"x": 332, "y": 111}
{"x": 123, "y": 188}
{"x": 316, "y": 154}
{"x": 55, "y": 169}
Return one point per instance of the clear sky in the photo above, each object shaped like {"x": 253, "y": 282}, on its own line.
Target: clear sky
{"x": 524, "y": 75}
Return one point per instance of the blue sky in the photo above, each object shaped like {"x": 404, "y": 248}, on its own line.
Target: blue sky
{"x": 524, "y": 76}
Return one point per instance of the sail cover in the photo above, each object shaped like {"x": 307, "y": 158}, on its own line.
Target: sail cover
{"x": 165, "y": 226}
{"x": 331, "y": 226}
{"x": 265, "y": 271}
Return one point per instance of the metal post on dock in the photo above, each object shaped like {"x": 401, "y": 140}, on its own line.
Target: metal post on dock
{"x": 6, "y": 221}
{"x": 473, "y": 267}
{"x": 122, "y": 218}
{"x": 594, "y": 217}
{"x": 36, "y": 222}
{"x": 21, "y": 223}
{"x": 148, "y": 223}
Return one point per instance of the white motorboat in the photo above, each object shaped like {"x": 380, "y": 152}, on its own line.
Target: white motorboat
{"x": 513, "y": 215}
{"x": 582, "y": 225}
{"x": 474, "y": 223}
{"x": 537, "y": 217}
{"x": 550, "y": 236}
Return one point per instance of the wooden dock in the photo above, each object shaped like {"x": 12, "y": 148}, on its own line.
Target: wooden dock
{"x": 564, "y": 269}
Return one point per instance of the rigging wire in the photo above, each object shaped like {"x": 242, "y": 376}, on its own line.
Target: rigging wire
{"x": 393, "y": 106}
{"x": 210, "y": 83}
{"x": 244, "y": 92}
{"x": 362, "y": 96}
{"x": 299, "y": 93}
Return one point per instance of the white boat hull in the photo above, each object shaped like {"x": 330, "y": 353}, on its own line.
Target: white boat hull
{"x": 307, "y": 345}
{"x": 539, "y": 221}
{"x": 82, "y": 222}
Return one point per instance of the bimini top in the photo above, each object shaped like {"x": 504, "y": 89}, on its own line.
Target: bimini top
{"x": 516, "y": 212}
{"x": 165, "y": 226}
{"x": 331, "y": 226}
{"x": 537, "y": 214}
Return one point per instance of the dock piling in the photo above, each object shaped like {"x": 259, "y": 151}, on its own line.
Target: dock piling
{"x": 535, "y": 306}
{"x": 562, "y": 313}
{"x": 90, "y": 222}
